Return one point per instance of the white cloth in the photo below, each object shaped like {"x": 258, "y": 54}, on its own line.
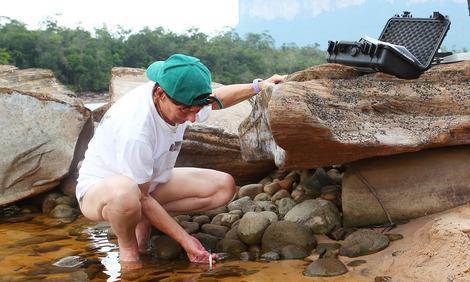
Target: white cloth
{"x": 133, "y": 140}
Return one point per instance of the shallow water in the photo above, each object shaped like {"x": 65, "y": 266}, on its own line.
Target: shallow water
{"x": 42, "y": 248}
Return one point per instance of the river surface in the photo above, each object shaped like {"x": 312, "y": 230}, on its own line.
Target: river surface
{"x": 37, "y": 248}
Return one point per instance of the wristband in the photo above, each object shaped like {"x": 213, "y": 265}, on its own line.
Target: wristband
{"x": 256, "y": 85}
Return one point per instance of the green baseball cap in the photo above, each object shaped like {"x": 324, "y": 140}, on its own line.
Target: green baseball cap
{"x": 184, "y": 79}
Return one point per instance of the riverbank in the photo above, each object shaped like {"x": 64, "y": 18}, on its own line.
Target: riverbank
{"x": 433, "y": 248}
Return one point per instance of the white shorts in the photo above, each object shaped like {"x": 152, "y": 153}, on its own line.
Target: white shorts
{"x": 82, "y": 187}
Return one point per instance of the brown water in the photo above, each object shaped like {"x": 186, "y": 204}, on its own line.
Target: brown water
{"x": 45, "y": 249}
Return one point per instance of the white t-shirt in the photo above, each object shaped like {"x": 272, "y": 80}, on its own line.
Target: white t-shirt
{"x": 133, "y": 140}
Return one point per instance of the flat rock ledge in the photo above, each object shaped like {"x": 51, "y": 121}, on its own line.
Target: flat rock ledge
{"x": 332, "y": 114}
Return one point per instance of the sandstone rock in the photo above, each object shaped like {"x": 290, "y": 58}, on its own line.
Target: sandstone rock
{"x": 330, "y": 114}
{"x": 124, "y": 80}
{"x": 409, "y": 185}
{"x": 45, "y": 130}
{"x": 319, "y": 216}
{"x": 283, "y": 233}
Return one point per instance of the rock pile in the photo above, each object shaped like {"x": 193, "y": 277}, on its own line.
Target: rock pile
{"x": 278, "y": 218}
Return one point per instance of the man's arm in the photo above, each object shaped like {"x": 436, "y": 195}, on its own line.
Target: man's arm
{"x": 159, "y": 218}
{"x": 233, "y": 94}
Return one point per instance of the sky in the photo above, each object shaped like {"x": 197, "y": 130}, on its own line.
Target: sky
{"x": 302, "y": 22}
{"x": 175, "y": 15}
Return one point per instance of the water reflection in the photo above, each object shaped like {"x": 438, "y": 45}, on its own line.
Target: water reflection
{"x": 45, "y": 249}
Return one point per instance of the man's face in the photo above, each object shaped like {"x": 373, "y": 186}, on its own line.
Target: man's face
{"x": 180, "y": 114}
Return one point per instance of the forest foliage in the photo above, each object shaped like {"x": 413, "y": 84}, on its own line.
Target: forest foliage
{"x": 83, "y": 60}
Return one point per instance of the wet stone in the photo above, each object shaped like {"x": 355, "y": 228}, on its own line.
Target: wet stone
{"x": 165, "y": 247}
{"x": 228, "y": 219}
{"x": 62, "y": 211}
{"x": 267, "y": 206}
{"x": 181, "y": 218}
{"x": 279, "y": 195}
{"x": 341, "y": 233}
{"x": 364, "y": 242}
{"x": 271, "y": 216}
{"x": 272, "y": 188}
{"x": 357, "y": 262}
{"x": 55, "y": 224}
{"x": 201, "y": 219}
{"x": 18, "y": 218}
{"x": 394, "y": 237}
{"x": 325, "y": 267}
{"x": 232, "y": 233}
{"x": 251, "y": 227}
{"x": 238, "y": 204}
{"x": 48, "y": 248}
{"x": 271, "y": 256}
{"x": 208, "y": 241}
{"x": 318, "y": 215}
{"x": 248, "y": 256}
{"x": 190, "y": 227}
{"x": 70, "y": 261}
{"x": 251, "y": 206}
{"x": 293, "y": 176}
{"x": 286, "y": 184}
{"x": 231, "y": 246}
{"x": 285, "y": 205}
{"x": 217, "y": 231}
{"x": 83, "y": 237}
{"x": 250, "y": 190}
{"x": 263, "y": 197}
{"x": 216, "y": 211}
{"x": 283, "y": 233}
{"x": 326, "y": 247}
{"x": 38, "y": 240}
{"x": 293, "y": 252}
{"x": 383, "y": 279}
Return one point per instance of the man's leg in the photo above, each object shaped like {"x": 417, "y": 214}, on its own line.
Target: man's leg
{"x": 116, "y": 199}
{"x": 192, "y": 190}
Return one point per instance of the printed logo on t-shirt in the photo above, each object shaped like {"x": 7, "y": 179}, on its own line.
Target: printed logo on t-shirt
{"x": 176, "y": 146}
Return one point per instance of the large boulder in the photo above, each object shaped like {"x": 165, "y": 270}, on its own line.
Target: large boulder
{"x": 45, "y": 131}
{"x": 212, "y": 144}
{"x": 331, "y": 114}
{"x": 409, "y": 185}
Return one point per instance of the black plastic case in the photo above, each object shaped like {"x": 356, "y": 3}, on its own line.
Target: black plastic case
{"x": 421, "y": 37}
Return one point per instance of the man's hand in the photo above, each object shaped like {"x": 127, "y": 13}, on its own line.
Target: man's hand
{"x": 196, "y": 252}
{"x": 275, "y": 79}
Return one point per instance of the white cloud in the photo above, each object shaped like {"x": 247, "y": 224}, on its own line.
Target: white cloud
{"x": 176, "y": 15}
{"x": 271, "y": 9}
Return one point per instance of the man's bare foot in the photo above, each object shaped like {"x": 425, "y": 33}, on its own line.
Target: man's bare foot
{"x": 130, "y": 265}
{"x": 128, "y": 255}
